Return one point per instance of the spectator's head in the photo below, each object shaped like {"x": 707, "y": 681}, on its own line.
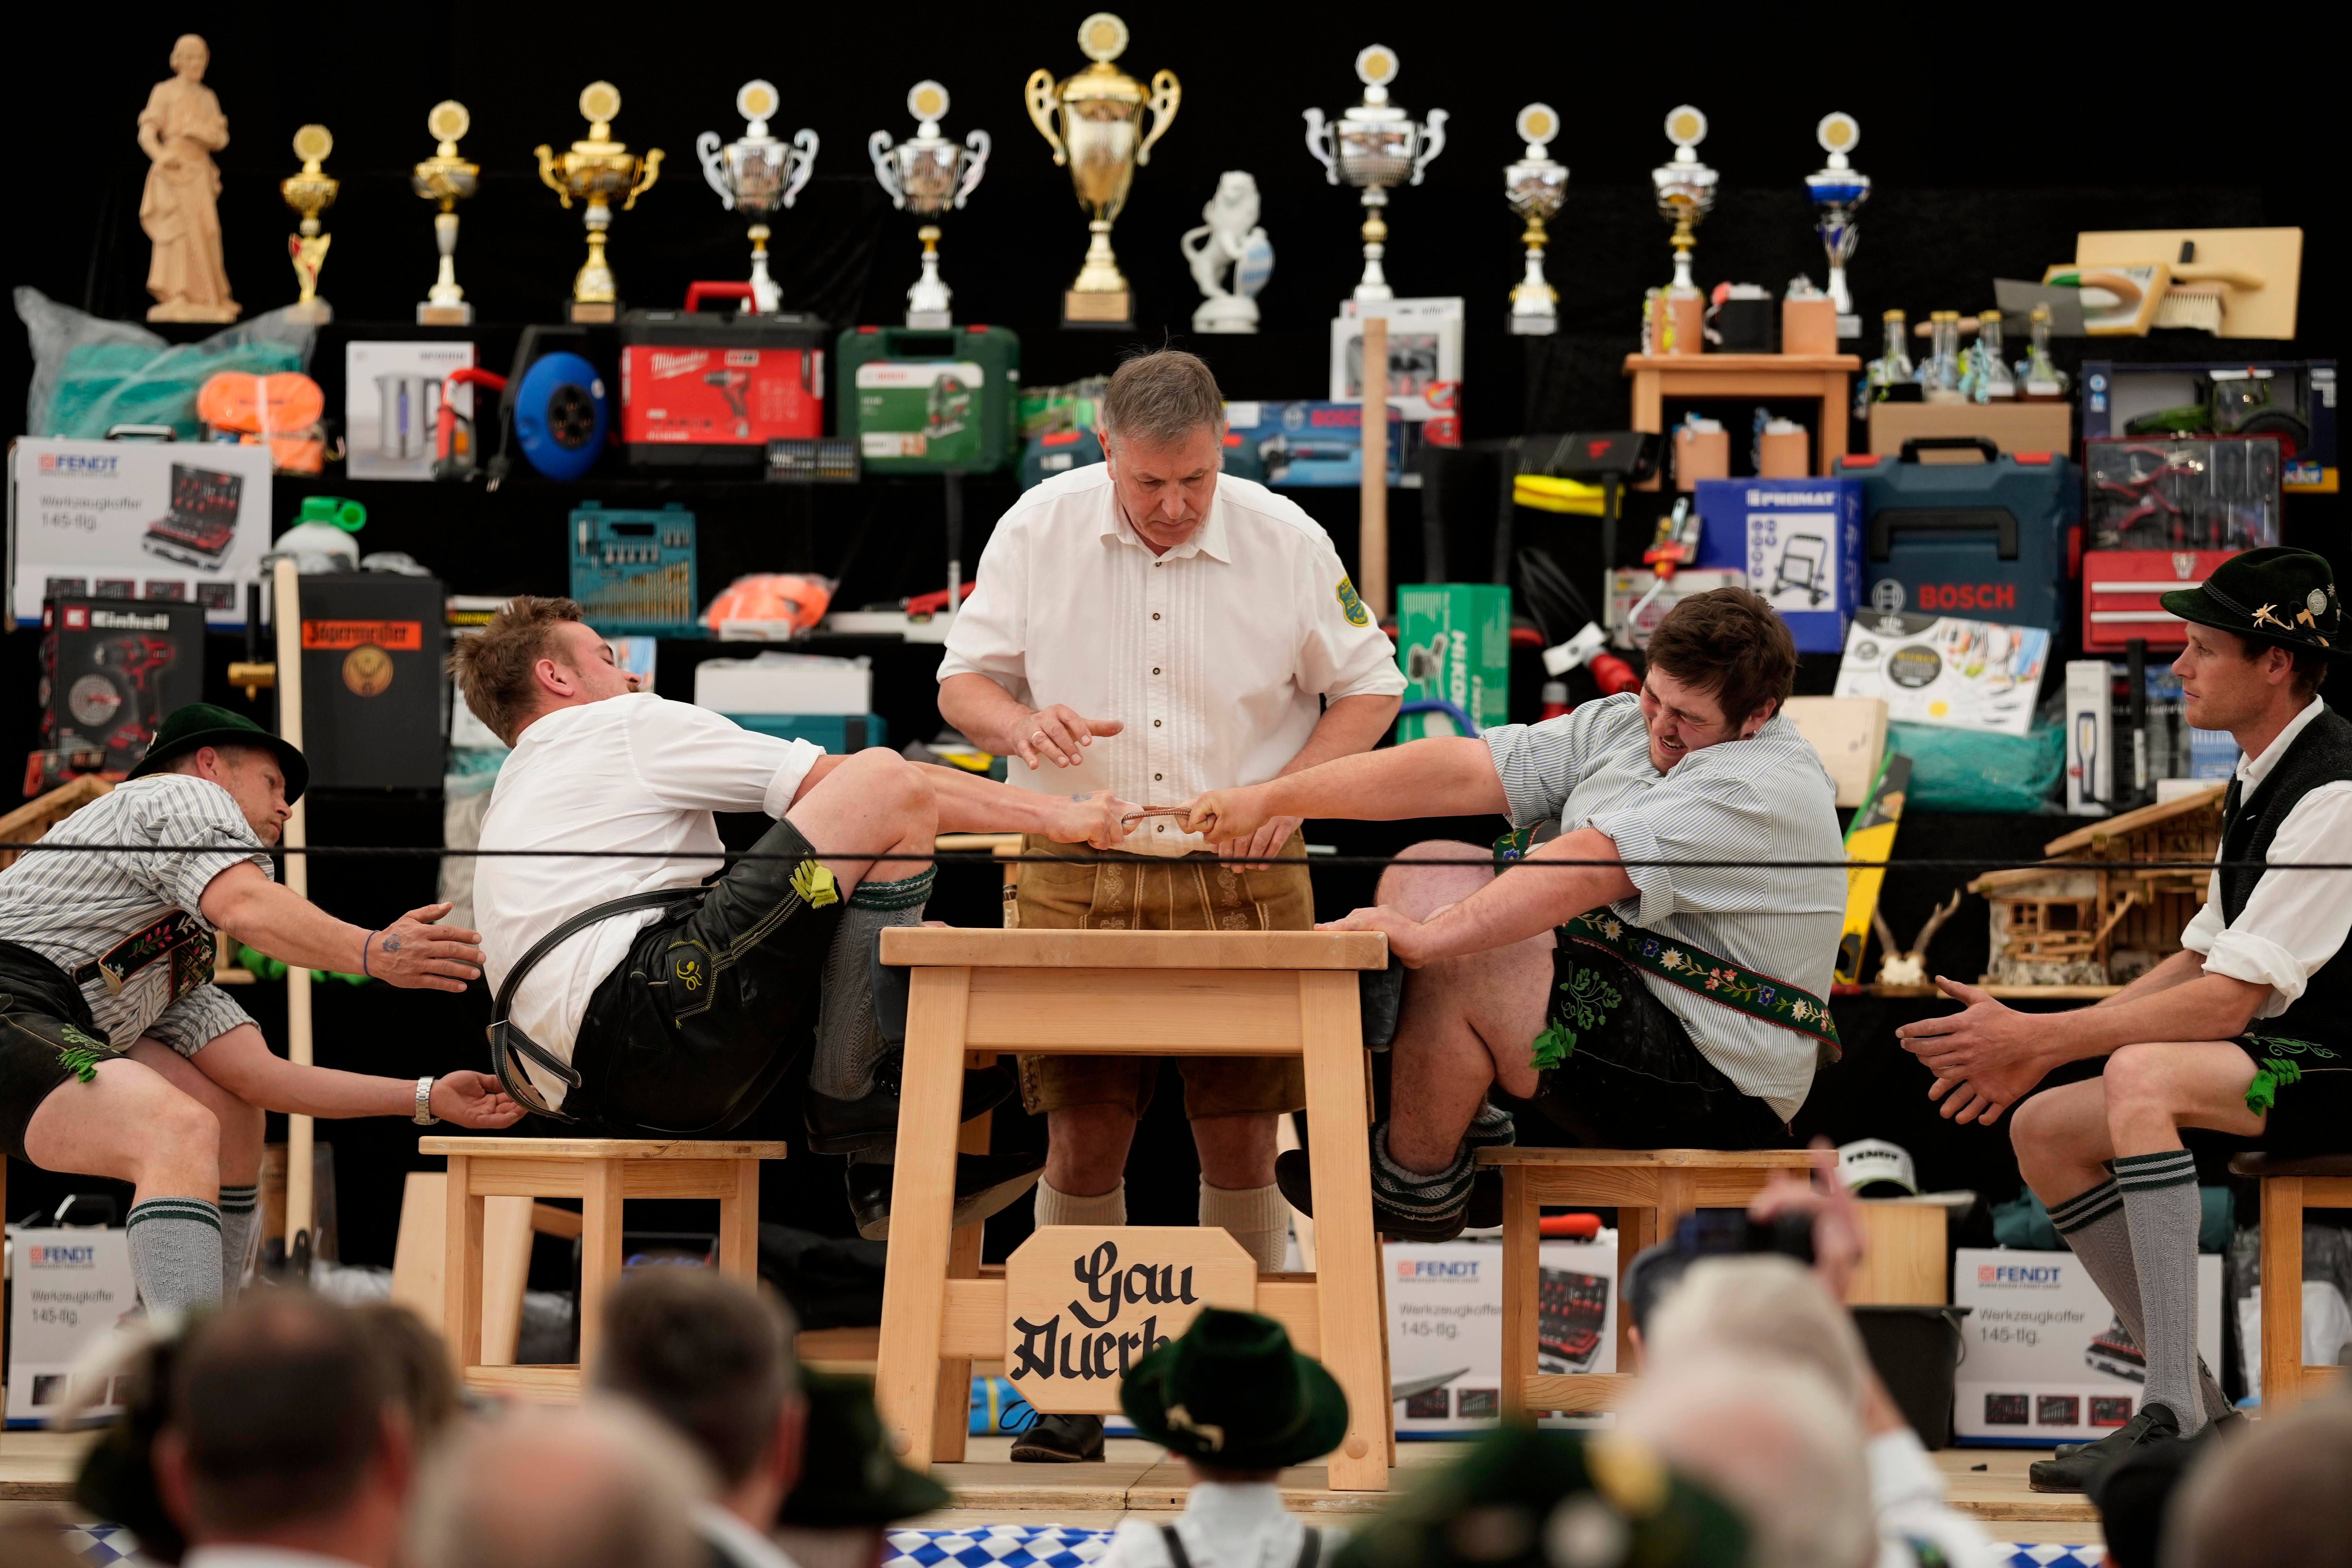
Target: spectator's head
{"x": 604, "y": 1486}
{"x": 1163, "y": 429}
{"x": 1231, "y": 1399}
{"x": 416, "y": 1362}
{"x": 535, "y": 655}
{"x": 286, "y": 1432}
{"x": 1776, "y": 1443}
{"x": 852, "y": 1486}
{"x": 117, "y": 1474}
{"x": 713, "y": 1358}
{"x": 1721, "y": 664}
{"x": 2279, "y": 1498}
{"x": 1760, "y": 1305}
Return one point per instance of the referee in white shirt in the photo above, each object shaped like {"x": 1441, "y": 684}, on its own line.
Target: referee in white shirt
{"x": 1148, "y": 626}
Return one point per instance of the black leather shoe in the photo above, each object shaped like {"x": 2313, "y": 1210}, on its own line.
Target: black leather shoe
{"x": 847, "y": 1126}
{"x": 1060, "y": 1440}
{"x": 2074, "y": 1472}
{"x": 984, "y": 1183}
{"x": 1292, "y": 1175}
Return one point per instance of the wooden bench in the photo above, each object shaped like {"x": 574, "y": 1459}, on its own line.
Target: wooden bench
{"x": 1651, "y": 1189}
{"x": 603, "y": 1173}
{"x": 2289, "y": 1186}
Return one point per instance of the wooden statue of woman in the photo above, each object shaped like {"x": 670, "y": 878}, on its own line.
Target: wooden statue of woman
{"x": 181, "y": 128}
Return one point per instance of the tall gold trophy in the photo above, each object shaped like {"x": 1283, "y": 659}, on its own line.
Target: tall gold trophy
{"x": 1102, "y": 143}
{"x": 311, "y": 193}
{"x": 595, "y": 171}
{"x": 447, "y": 178}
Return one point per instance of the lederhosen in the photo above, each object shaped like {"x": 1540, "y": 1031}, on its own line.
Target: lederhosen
{"x": 2303, "y": 1057}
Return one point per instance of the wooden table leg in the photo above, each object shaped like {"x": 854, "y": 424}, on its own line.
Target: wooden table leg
{"x": 2282, "y": 1275}
{"x": 739, "y": 1225}
{"x": 461, "y": 1267}
{"x": 922, "y": 1204}
{"x": 1347, "y": 1252}
{"x": 1636, "y": 1228}
{"x": 600, "y": 1249}
{"x": 951, "y": 1423}
{"x": 1833, "y": 421}
{"x": 1522, "y": 1277}
{"x": 1649, "y": 403}
{"x": 1677, "y": 1196}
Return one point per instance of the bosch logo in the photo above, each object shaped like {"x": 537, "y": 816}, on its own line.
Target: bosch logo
{"x": 1968, "y": 596}
{"x": 54, "y": 1257}
{"x": 2033, "y": 1276}
{"x": 1458, "y": 1271}
{"x": 77, "y": 463}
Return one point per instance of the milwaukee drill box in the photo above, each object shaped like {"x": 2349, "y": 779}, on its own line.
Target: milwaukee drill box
{"x": 111, "y": 670}
{"x": 711, "y": 391}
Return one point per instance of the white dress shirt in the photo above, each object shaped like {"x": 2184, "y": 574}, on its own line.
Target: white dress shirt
{"x": 734, "y": 1542}
{"x": 1223, "y": 1526}
{"x": 2293, "y": 922}
{"x": 251, "y": 1556}
{"x": 629, "y": 773}
{"x": 1909, "y": 1502}
{"x": 1217, "y": 656}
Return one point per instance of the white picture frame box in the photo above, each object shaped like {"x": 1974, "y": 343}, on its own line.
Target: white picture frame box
{"x": 100, "y": 514}
{"x": 1425, "y": 356}
{"x": 70, "y": 1290}
{"x": 392, "y": 397}
{"x": 1445, "y": 1317}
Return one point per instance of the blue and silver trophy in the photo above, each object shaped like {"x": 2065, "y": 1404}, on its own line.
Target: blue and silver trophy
{"x": 1837, "y": 193}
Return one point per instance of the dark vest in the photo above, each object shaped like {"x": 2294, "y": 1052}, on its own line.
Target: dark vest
{"x": 2322, "y": 754}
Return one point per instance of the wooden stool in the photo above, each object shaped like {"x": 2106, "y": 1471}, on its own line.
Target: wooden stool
{"x": 1651, "y": 1189}
{"x": 1099, "y": 993}
{"x": 2289, "y": 1186}
{"x": 603, "y": 1173}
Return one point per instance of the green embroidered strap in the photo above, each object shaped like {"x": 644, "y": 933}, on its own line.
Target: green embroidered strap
{"x": 1704, "y": 975}
{"x": 2274, "y": 1071}
{"x": 1514, "y": 846}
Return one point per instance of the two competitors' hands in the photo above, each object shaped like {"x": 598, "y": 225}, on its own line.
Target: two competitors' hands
{"x": 1986, "y": 1058}
{"x": 474, "y": 1100}
{"x": 1237, "y": 824}
{"x": 415, "y": 954}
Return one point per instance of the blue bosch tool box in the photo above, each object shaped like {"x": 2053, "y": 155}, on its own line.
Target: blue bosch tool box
{"x": 1993, "y": 541}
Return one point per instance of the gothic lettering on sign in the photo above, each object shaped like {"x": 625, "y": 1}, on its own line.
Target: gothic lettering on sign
{"x": 1086, "y": 1304}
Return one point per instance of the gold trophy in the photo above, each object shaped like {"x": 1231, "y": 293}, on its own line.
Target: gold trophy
{"x": 311, "y": 193}
{"x": 447, "y": 178}
{"x": 595, "y": 171}
{"x": 1102, "y": 108}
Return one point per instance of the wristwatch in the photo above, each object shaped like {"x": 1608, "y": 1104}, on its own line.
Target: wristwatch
{"x": 425, "y": 1117}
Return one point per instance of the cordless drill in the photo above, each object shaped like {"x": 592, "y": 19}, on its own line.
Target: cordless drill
{"x": 732, "y": 384}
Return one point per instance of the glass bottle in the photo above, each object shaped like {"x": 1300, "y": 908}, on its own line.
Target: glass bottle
{"x": 2037, "y": 375}
{"x": 1890, "y": 368}
{"x": 1985, "y": 375}
{"x": 1940, "y": 372}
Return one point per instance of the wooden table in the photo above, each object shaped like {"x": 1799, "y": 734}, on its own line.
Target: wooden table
{"x": 1094, "y": 993}
{"x": 1657, "y": 377}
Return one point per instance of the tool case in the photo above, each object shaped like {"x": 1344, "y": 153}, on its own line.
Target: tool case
{"x": 633, "y": 573}
{"x": 712, "y": 390}
{"x": 923, "y": 400}
{"x": 1994, "y": 541}
{"x": 2123, "y": 592}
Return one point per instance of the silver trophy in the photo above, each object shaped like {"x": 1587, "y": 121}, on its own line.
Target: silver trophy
{"x": 1837, "y": 193}
{"x": 758, "y": 175}
{"x": 1536, "y": 186}
{"x": 1229, "y": 239}
{"x": 929, "y": 173}
{"x": 1374, "y": 146}
{"x": 1686, "y": 188}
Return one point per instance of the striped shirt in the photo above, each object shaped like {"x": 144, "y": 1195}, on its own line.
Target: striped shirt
{"x": 1763, "y": 798}
{"x": 76, "y": 907}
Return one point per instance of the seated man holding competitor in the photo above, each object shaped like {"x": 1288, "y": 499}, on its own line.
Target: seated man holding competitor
{"x": 1640, "y": 1004}
{"x": 2243, "y": 1031}
{"x": 645, "y": 986}
{"x": 119, "y": 1058}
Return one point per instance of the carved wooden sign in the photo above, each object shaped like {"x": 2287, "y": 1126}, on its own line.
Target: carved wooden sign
{"x": 1084, "y": 1302}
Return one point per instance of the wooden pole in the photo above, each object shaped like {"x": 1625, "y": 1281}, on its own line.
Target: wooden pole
{"x": 287, "y": 607}
{"x": 1372, "y": 538}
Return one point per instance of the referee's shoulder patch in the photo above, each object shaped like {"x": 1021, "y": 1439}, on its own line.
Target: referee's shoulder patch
{"x": 1351, "y": 603}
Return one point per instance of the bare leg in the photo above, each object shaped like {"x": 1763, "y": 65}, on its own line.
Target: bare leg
{"x": 1236, "y": 1151}
{"x": 240, "y": 1124}
{"x": 1467, "y": 1021}
{"x": 128, "y": 1123}
{"x": 2061, "y": 1142}
{"x": 2154, "y": 1091}
{"x": 1086, "y": 1145}
{"x": 874, "y": 803}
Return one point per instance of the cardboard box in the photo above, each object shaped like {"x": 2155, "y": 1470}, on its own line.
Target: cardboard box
{"x": 784, "y": 683}
{"x": 2090, "y": 737}
{"x": 392, "y": 397}
{"x": 2013, "y": 427}
{"x": 1306, "y": 445}
{"x": 1938, "y": 670}
{"x": 1800, "y": 543}
{"x": 2047, "y": 1362}
{"x": 1424, "y": 358}
{"x": 1628, "y": 586}
{"x": 1445, "y": 1328}
{"x": 111, "y": 671}
{"x": 68, "y": 1292}
{"x": 2115, "y": 394}
{"x": 184, "y": 521}
{"x": 1454, "y": 643}
{"x": 1850, "y": 734}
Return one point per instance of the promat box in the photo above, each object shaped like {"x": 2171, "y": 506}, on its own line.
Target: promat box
{"x": 711, "y": 391}
{"x": 1445, "y": 1328}
{"x": 2047, "y": 1361}
{"x": 1799, "y": 541}
{"x": 1454, "y": 643}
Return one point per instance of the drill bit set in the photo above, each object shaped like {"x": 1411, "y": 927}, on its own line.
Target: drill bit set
{"x": 634, "y": 571}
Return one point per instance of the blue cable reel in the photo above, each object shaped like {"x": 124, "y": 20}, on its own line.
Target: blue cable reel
{"x": 561, "y": 413}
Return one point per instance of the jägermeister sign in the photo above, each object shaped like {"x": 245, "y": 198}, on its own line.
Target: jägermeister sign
{"x": 1084, "y": 1302}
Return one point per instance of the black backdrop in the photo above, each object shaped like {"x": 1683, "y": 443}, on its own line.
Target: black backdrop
{"x": 1988, "y": 157}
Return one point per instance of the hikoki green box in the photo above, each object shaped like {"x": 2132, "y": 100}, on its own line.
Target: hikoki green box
{"x": 1454, "y": 643}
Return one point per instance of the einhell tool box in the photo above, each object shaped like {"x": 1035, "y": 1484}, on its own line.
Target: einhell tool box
{"x": 372, "y": 679}
{"x": 929, "y": 401}
{"x": 634, "y": 571}
{"x": 111, "y": 670}
{"x": 711, "y": 391}
{"x": 1995, "y": 540}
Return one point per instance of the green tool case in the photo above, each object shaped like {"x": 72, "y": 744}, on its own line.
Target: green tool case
{"x": 927, "y": 400}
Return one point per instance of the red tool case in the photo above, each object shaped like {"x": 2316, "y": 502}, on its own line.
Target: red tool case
{"x": 711, "y": 391}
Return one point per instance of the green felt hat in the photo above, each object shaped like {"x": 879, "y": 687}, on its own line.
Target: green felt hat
{"x": 2274, "y": 594}
{"x": 1526, "y": 1499}
{"x": 1230, "y": 1390}
{"x": 849, "y": 1476}
{"x": 195, "y": 725}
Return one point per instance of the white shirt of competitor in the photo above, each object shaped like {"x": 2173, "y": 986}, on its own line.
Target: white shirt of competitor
{"x": 2293, "y": 922}
{"x": 1908, "y": 1501}
{"x": 632, "y": 773}
{"x": 1223, "y": 1525}
{"x": 1217, "y": 656}
{"x": 248, "y": 1555}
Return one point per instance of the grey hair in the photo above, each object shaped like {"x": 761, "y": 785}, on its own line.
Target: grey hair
{"x": 604, "y": 1486}
{"x": 1161, "y": 399}
{"x": 1770, "y": 1306}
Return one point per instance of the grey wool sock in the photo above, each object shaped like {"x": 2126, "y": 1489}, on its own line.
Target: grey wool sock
{"x": 1492, "y": 1127}
{"x": 240, "y": 1215}
{"x": 175, "y": 1253}
{"x": 848, "y": 1044}
{"x": 2092, "y": 1226}
{"x": 1430, "y": 1195}
{"x": 2159, "y": 1198}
